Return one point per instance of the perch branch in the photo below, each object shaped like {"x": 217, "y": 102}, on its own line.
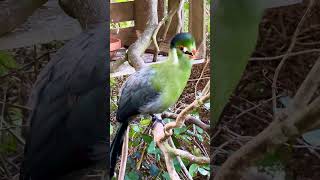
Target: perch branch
{"x": 292, "y": 44}
{"x": 136, "y": 49}
{"x": 183, "y": 115}
{"x": 189, "y": 120}
{"x": 168, "y": 151}
{"x": 187, "y": 155}
{"x": 158, "y": 133}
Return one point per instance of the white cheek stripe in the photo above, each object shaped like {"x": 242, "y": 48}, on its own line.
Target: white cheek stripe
{"x": 175, "y": 56}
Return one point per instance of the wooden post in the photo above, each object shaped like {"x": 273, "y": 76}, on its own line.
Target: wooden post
{"x": 197, "y": 24}
{"x": 141, "y": 13}
{"x": 161, "y": 7}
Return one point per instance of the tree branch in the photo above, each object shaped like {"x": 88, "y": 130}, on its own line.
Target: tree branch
{"x": 136, "y": 49}
{"x": 183, "y": 115}
{"x": 302, "y": 119}
{"x": 189, "y": 120}
{"x": 158, "y": 133}
{"x": 282, "y": 62}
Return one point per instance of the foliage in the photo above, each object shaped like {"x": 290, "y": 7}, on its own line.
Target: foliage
{"x": 7, "y": 63}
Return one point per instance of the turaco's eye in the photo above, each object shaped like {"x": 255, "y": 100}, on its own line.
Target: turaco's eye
{"x": 185, "y": 50}
{"x": 182, "y": 48}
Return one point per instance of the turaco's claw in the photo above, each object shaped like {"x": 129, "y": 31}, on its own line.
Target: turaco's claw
{"x": 155, "y": 120}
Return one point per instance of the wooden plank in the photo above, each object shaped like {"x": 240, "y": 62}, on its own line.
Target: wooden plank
{"x": 122, "y": 11}
{"x": 197, "y": 24}
{"x": 141, "y": 13}
{"x": 161, "y": 9}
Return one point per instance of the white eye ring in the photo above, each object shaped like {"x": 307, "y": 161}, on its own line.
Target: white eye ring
{"x": 184, "y": 49}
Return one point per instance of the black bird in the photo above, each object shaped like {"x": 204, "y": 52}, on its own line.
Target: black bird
{"x": 68, "y": 124}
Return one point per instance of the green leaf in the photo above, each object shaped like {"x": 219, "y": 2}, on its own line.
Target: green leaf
{"x": 312, "y": 137}
{"x": 152, "y": 148}
{"x": 177, "y": 165}
{"x": 203, "y": 171}
{"x": 7, "y": 62}
{"x": 132, "y": 175}
{"x": 136, "y": 128}
{"x": 200, "y": 130}
{"x": 235, "y": 33}
{"x": 147, "y": 138}
{"x": 166, "y": 176}
{"x": 193, "y": 169}
{"x": 199, "y": 137}
{"x": 145, "y": 122}
{"x": 178, "y": 131}
{"x": 154, "y": 170}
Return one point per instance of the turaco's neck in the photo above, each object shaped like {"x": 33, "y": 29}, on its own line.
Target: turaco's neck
{"x": 179, "y": 59}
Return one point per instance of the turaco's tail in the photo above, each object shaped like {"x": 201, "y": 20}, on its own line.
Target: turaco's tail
{"x": 116, "y": 147}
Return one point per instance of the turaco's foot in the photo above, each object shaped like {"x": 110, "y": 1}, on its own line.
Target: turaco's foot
{"x": 156, "y": 119}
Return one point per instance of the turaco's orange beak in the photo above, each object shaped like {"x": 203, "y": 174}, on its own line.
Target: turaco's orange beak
{"x": 194, "y": 54}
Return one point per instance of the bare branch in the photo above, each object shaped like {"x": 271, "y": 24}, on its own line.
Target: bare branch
{"x": 308, "y": 87}
{"x": 136, "y": 49}
{"x": 189, "y": 120}
{"x": 293, "y": 41}
{"x": 278, "y": 132}
{"x": 183, "y": 114}
{"x": 158, "y": 133}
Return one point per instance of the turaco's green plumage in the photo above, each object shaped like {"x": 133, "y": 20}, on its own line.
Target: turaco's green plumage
{"x": 154, "y": 89}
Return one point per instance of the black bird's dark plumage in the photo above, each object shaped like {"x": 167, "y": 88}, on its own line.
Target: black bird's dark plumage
{"x": 135, "y": 93}
{"x": 68, "y": 123}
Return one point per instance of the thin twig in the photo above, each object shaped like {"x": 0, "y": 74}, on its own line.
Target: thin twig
{"x": 293, "y": 40}
{"x": 283, "y": 55}
{"x": 124, "y": 156}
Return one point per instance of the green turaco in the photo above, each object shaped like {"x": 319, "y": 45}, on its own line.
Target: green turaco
{"x": 154, "y": 88}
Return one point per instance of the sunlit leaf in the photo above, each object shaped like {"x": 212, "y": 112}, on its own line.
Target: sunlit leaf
{"x": 193, "y": 169}
{"x": 203, "y": 171}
